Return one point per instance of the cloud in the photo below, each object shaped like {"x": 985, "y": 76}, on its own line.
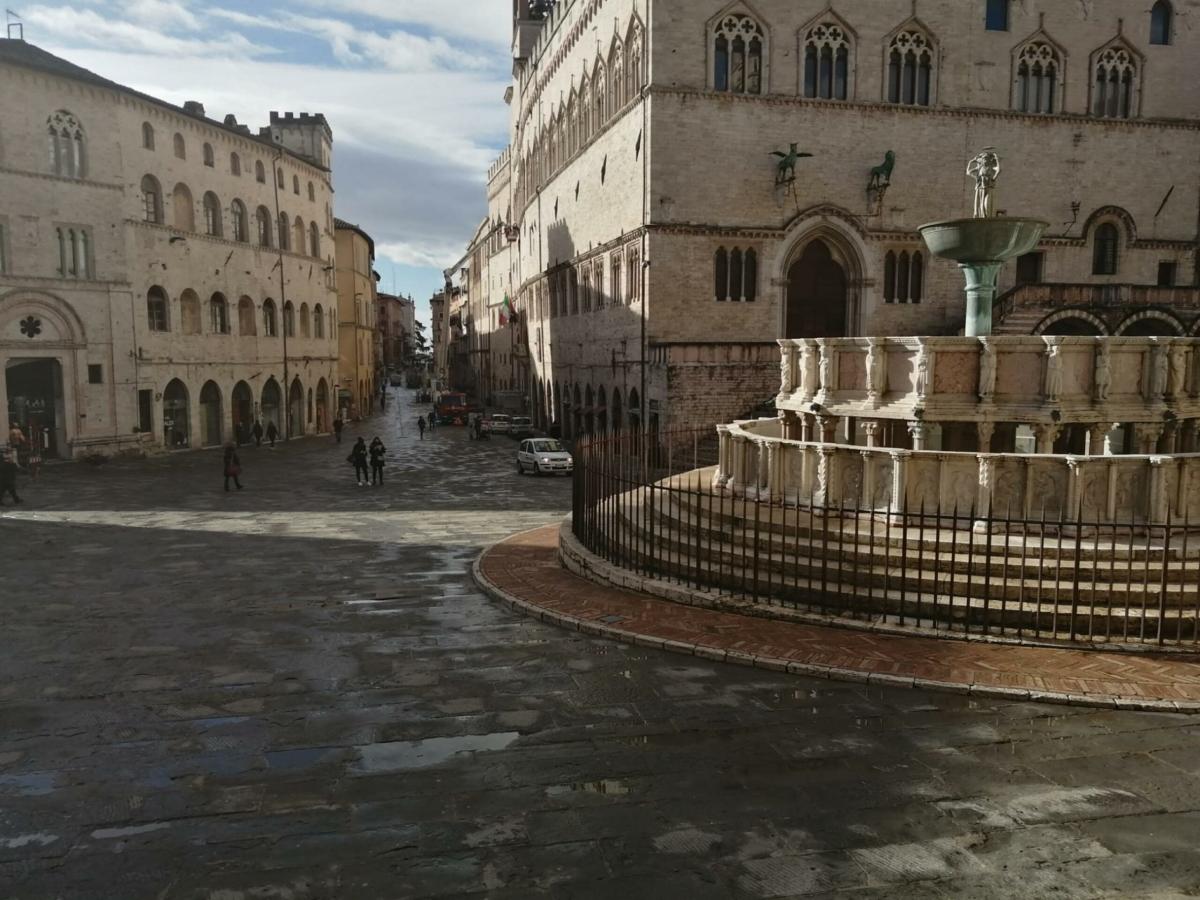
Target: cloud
{"x": 161, "y": 14}
{"x": 478, "y": 21}
{"x": 398, "y": 50}
{"x": 85, "y": 26}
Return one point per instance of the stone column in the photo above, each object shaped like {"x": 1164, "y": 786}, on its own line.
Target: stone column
{"x": 1147, "y": 437}
{"x": 776, "y": 471}
{"x": 867, "y": 500}
{"x": 809, "y": 369}
{"x": 787, "y": 367}
{"x": 824, "y": 475}
{"x": 791, "y": 426}
{"x": 1046, "y": 436}
{"x": 1074, "y": 477}
{"x": 1171, "y": 436}
{"x": 899, "y": 479}
{"x": 739, "y": 450}
{"x": 871, "y": 430}
{"x": 920, "y": 434}
{"x": 1158, "y": 501}
{"x": 984, "y": 431}
{"x": 806, "y": 428}
{"x": 1187, "y": 436}
{"x": 724, "y": 463}
{"x": 825, "y": 429}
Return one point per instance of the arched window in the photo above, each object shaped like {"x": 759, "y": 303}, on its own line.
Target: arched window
{"x": 735, "y": 274}
{"x": 599, "y": 98}
{"x": 1114, "y": 88}
{"x": 284, "y": 228}
{"x": 189, "y": 312}
{"x": 827, "y": 62}
{"x": 247, "y": 325}
{"x": 235, "y": 164}
{"x": 996, "y": 16}
{"x": 156, "y": 309}
{"x": 289, "y": 319}
{"x": 318, "y": 325}
{"x": 312, "y": 193}
{"x": 207, "y": 153}
{"x": 180, "y": 146}
{"x": 902, "y": 273}
{"x": 212, "y": 215}
{"x": 314, "y": 240}
{"x": 910, "y": 68}
{"x": 1161, "y": 16}
{"x": 1038, "y": 68}
{"x": 67, "y": 146}
{"x": 218, "y": 314}
{"x": 152, "y": 200}
{"x": 237, "y": 214}
{"x": 585, "y": 111}
{"x": 889, "y": 277}
{"x": 616, "y": 77}
{"x": 298, "y": 235}
{"x": 1105, "y": 254}
{"x": 147, "y": 136}
{"x": 750, "y": 278}
{"x": 721, "y": 274}
{"x": 296, "y": 185}
{"x": 279, "y": 179}
{"x": 260, "y": 172}
{"x": 182, "y": 208}
{"x": 262, "y": 220}
{"x": 633, "y": 279}
{"x": 903, "y": 276}
{"x": 738, "y": 53}
{"x": 74, "y": 252}
{"x": 270, "y": 325}
{"x": 634, "y": 65}
{"x": 304, "y": 321}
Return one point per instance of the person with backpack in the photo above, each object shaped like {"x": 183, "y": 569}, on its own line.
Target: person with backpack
{"x": 233, "y": 466}
{"x": 272, "y": 433}
{"x": 378, "y": 454}
{"x": 358, "y": 459}
{"x": 257, "y": 431}
{"x": 338, "y": 425}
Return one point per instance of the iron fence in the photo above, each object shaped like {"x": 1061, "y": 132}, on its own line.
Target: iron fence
{"x": 647, "y": 504}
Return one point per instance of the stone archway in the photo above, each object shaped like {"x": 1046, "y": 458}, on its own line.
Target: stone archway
{"x": 176, "y": 416}
{"x": 210, "y": 415}
{"x": 818, "y": 296}
{"x": 295, "y": 412}
{"x": 322, "y": 406}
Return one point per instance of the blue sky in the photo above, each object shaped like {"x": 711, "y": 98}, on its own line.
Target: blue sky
{"x": 413, "y": 90}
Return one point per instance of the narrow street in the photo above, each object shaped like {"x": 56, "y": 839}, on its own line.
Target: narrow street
{"x": 296, "y": 691}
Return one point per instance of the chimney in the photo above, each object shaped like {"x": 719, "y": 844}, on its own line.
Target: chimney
{"x": 194, "y": 108}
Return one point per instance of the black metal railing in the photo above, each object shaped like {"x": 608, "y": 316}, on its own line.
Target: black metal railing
{"x": 648, "y": 504}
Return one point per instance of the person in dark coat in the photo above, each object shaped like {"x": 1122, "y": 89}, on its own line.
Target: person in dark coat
{"x": 233, "y": 466}
{"x": 8, "y": 478}
{"x": 338, "y": 425}
{"x": 257, "y": 431}
{"x": 421, "y": 426}
{"x": 378, "y": 453}
{"x": 358, "y": 458}
{"x": 272, "y": 433}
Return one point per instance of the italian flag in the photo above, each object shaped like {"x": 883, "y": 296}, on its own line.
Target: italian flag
{"x": 506, "y": 310}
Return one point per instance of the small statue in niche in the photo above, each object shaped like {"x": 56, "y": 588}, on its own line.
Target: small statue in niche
{"x": 985, "y": 169}
{"x": 808, "y": 360}
{"x": 987, "y": 371}
{"x": 922, "y": 372}
{"x": 1178, "y": 375}
{"x": 1103, "y": 376}
{"x": 1054, "y": 373}
{"x": 785, "y": 172}
{"x": 1161, "y": 364}
{"x": 826, "y": 369}
{"x": 786, "y": 357}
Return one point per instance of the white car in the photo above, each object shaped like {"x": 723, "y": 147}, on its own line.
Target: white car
{"x": 499, "y": 424}
{"x": 522, "y": 427}
{"x": 538, "y": 455}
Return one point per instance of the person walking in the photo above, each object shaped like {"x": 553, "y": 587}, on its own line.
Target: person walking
{"x": 378, "y": 453}
{"x": 257, "y": 431}
{"x": 421, "y": 426}
{"x": 239, "y": 433}
{"x": 17, "y": 442}
{"x": 358, "y": 458}
{"x": 272, "y": 433}
{"x": 8, "y": 478}
{"x": 338, "y": 425}
{"x": 233, "y": 466}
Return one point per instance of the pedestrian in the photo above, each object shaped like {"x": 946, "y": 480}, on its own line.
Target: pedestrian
{"x": 358, "y": 459}
{"x": 17, "y": 442}
{"x": 378, "y": 453}
{"x": 233, "y": 466}
{"x": 239, "y": 433}
{"x": 8, "y": 478}
{"x": 257, "y": 431}
{"x": 272, "y": 433}
{"x": 338, "y": 425}
{"x": 421, "y": 426}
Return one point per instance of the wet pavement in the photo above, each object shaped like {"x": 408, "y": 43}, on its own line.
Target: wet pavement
{"x": 296, "y": 692}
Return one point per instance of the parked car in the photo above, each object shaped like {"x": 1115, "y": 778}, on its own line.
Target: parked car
{"x": 396, "y": 379}
{"x": 538, "y": 455}
{"x": 500, "y": 424}
{"x": 522, "y": 427}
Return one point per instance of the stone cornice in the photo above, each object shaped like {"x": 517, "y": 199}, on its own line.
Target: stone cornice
{"x": 61, "y": 179}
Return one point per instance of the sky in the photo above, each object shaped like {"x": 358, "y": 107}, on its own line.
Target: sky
{"x": 413, "y": 90}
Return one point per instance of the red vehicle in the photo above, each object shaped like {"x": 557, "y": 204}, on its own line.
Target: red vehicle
{"x": 451, "y": 409}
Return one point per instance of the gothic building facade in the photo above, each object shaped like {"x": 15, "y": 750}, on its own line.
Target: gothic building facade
{"x": 658, "y": 248}
{"x": 165, "y": 279}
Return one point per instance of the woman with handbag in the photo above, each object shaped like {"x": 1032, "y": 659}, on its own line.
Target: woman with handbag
{"x": 233, "y": 466}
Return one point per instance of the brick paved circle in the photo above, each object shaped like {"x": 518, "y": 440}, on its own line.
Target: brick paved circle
{"x": 524, "y": 571}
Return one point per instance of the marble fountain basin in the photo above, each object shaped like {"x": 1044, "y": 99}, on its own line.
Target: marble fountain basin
{"x": 982, "y": 240}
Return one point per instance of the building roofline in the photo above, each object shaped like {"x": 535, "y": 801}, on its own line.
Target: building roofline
{"x": 343, "y": 225}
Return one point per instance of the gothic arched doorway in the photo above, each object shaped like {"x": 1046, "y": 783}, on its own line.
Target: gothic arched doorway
{"x": 817, "y": 296}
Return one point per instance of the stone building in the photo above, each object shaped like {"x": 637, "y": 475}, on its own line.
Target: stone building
{"x": 439, "y": 338}
{"x": 165, "y": 278}
{"x": 659, "y": 249}
{"x": 356, "y": 293}
{"x": 396, "y": 329}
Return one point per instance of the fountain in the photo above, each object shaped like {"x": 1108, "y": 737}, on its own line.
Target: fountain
{"x": 980, "y": 245}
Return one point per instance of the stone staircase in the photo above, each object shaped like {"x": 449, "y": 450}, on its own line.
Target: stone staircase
{"x": 929, "y": 576}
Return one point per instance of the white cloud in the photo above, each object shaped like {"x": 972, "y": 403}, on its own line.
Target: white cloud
{"x": 162, "y": 14}
{"x": 89, "y": 27}
{"x": 422, "y": 253}
{"x": 480, "y": 21}
{"x": 398, "y": 50}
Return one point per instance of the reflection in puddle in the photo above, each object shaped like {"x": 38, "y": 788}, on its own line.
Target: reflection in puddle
{"x": 609, "y": 786}
{"x": 394, "y": 756}
{"x": 34, "y": 784}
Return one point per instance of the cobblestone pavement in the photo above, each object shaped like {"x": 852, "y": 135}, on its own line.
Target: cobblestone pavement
{"x": 296, "y": 692}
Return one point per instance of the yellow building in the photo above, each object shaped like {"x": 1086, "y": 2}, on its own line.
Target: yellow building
{"x": 355, "y": 257}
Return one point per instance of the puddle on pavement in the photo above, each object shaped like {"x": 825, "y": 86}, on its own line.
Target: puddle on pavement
{"x": 394, "y": 756}
{"x": 32, "y": 785}
{"x": 608, "y": 786}
{"x": 301, "y": 758}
